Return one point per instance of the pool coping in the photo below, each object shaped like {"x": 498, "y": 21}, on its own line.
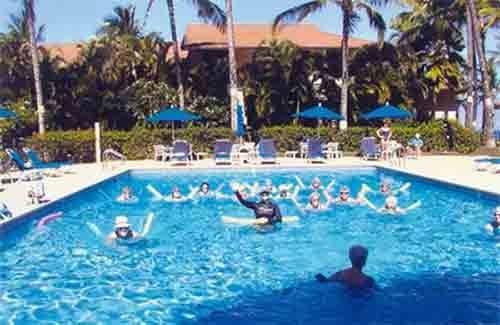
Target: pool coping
{"x": 6, "y": 224}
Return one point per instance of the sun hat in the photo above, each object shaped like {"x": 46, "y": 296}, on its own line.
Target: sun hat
{"x": 264, "y": 192}
{"x": 497, "y": 210}
{"x": 121, "y": 222}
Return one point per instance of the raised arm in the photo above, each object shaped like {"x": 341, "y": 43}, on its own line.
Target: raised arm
{"x": 330, "y": 185}
{"x": 246, "y": 203}
{"x": 329, "y": 199}
{"x": 403, "y": 188}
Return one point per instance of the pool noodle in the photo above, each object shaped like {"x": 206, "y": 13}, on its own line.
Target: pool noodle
{"x": 414, "y": 206}
{"x": 94, "y": 229}
{"x": 253, "y": 221}
{"x": 147, "y": 224}
{"x": 48, "y": 218}
{"x": 155, "y": 192}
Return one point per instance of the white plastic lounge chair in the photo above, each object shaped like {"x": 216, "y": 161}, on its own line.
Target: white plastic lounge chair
{"x": 161, "y": 152}
{"x": 332, "y": 150}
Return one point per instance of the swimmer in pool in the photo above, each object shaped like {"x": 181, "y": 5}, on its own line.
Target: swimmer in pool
{"x": 391, "y": 206}
{"x": 345, "y": 197}
{"x": 315, "y": 184}
{"x": 314, "y": 204}
{"x": 266, "y": 212}
{"x": 204, "y": 190}
{"x": 494, "y": 225}
{"x": 285, "y": 192}
{"x": 385, "y": 188}
{"x": 352, "y": 277}
{"x": 126, "y": 195}
{"x": 122, "y": 230}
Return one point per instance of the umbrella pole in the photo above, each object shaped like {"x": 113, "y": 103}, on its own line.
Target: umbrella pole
{"x": 319, "y": 124}
{"x": 173, "y": 131}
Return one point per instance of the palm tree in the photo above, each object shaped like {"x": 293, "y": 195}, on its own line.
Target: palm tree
{"x": 122, "y": 22}
{"x": 29, "y": 7}
{"x": 208, "y": 11}
{"x": 488, "y": 106}
{"x": 233, "y": 78}
{"x": 350, "y": 16}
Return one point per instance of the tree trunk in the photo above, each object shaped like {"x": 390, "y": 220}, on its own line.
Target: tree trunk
{"x": 488, "y": 130}
{"x": 344, "y": 92}
{"x": 177, "y": 59}
{"x": 233, "y": 78}
{"x": 471, "y": 75}
{"x": 36, "y": 67}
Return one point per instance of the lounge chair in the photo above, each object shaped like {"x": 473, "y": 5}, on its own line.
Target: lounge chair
{"x": 331, "y": 150}
{"x": 181, "y": 152}
{"x": 315, "y": 151}
{"x": 369, "y": 149}
{"x": 161, "y": 152}
{"x": 266, "y": 151}
{"x": 18, "y": 161}
{"x": 37, "y": 163}
{"x": 223, "y": 151}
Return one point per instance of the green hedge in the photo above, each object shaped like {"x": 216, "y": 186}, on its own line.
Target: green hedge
{"x": 433, "y": 135}
{"x": 138, "y": 143}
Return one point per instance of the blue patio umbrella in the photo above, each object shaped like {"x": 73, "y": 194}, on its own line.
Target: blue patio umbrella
{"x": 6, "y": 113}
{"x": 319, "y": 113}
{"x": 240, "y": 122}
{"x": 173, "y": 114}
{"x": 387, "y": 111}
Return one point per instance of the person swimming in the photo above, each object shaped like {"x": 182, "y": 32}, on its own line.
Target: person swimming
{"x": 315, "y": 184}
{"x": 266, "y": 212}
{"x": 391, "y": 206}
{"x": 285, "y": 192}
{"x": 385, "y": 188}
{"x": 126, "y": 195}
{"x": 344, "y": 197}
{"x": 314, "y": 204}
{"x": 122, "y": 231}
{"x": 352, "y": 277}
{"x": 204, "y": 190}
{"x": 494, "y": 225}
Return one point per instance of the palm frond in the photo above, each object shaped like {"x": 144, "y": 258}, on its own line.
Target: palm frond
{"x": 375, "y": 18}
{"x": 210, "y": 12}
{"x": 298, "y": 13}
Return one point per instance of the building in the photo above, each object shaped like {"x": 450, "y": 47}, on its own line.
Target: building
{"x": 200, "y": 38}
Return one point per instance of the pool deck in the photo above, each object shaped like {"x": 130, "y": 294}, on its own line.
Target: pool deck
{"x": 457, "y": 170}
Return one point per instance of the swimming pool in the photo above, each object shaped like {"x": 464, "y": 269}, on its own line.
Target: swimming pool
{"x": 435, "y": 264}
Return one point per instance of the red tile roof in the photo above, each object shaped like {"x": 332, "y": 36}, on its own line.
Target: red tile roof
{"x": 68, "y": 52}
{"x": 251, "y": 36}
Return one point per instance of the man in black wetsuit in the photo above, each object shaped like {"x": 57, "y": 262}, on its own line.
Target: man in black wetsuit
{"x": 265, "y": 210}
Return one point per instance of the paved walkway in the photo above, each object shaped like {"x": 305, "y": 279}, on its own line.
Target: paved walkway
{"x": 458, "y": 170}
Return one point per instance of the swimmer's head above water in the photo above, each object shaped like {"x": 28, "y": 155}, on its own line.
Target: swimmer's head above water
{"x": 391, "y": 203}
{"x": 176, "y": 193}
{"x": 204, "y": 188}
{"x": 314, "y": 200}
{"x": 344, "y": 193}
{"x": 122, "y": 228}
{"x": 496, "y": 214}
{"x": 385, "y": 187}
{"x": 265, "y": 196}
{"x": 316, "y": 183}
{"x": 358, "y": 255}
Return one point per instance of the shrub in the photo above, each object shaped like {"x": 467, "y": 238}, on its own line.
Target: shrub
{"x": 135, "y": 144}
{"x": 138, "y": 143}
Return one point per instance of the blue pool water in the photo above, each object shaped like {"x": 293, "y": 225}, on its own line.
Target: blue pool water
{"x": 434, "y": 265}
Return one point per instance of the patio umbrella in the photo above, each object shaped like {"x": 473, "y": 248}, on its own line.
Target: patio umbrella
{"x": 387, "y": 111}
{"x": 240, "y": 122}
{"x": 6, "y": 113}
{"x": 319, "y": 113}
{"x": 173, "y": 114}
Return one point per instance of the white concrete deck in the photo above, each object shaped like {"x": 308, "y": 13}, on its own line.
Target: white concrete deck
{"x": 458, "y": 170}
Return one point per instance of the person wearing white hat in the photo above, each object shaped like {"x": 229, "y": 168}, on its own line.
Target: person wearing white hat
{"x": 352, "y": 277}
{"x": 391, "y": 206}
{"x": 495, "y": 223}
{"x": 122, "y": 230}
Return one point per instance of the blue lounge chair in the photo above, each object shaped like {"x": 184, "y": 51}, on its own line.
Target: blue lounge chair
{"x": 181, "y": 152}
{"x": 266, "y": 151}
{"x": 16, "y": 158}
{"x": 369, "y": 149}
{"x": 222, "y": 151}
{"x": 38, "y": 163}
{"x": 315, "y": 151}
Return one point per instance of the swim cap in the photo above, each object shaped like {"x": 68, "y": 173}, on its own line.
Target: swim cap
{"x": 358, "y": 255}
{"x": 497, "y": 210}
{"x": 391, "y": 200}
